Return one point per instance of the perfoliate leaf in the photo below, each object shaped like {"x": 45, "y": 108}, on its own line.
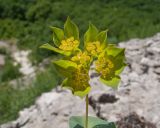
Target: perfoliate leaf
{"x": 76, "y": 88}
{"x": 114, "y": 51}
{"x": 102, "y": 38}
{"x": 110, "y": 64}
{"x": 113, "y": 82}
{"x": 65, "y": 67}
{"x": 58, "y": 35}
{"x": 119, "y": 58}
{"x": 50, "y": 47}
{"x": 65, "y": 64}
{"x": 90, "y": 34}
{"x": 71, "y": 29}
{"x": 119, "y": 63}
{"x": 117, "y": 72}
{"x": 82, "y": 93}
{"x": 78, "y": 82}
{"x": 93, "y": 122}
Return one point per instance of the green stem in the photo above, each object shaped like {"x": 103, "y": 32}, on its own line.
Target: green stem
{"x": 86, "y": 121}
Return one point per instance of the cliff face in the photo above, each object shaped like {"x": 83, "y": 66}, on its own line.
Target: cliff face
{"x": 138, "y": 93}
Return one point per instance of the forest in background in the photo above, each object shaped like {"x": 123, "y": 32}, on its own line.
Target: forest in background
{"x": 28, "y": 21}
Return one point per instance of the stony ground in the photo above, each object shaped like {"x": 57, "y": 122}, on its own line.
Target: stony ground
{"x": 136, "y": 104}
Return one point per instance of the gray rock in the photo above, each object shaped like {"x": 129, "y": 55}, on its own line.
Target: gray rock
{"x": 138, "y": 92}
{"x": 2, "y": 60}
{"x": 51, "y": 110}
{"x": 140, "y": 86}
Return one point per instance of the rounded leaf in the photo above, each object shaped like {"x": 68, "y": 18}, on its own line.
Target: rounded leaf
{"x": 93, "y": 122}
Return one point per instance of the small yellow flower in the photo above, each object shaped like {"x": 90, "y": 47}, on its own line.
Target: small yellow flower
{"x": 81, "y": 58}
{"x": 69, "y": 44}
{"x": 80, "y": 79}
{"x": 94, "y": 48}
{"x": 104, "y": 66}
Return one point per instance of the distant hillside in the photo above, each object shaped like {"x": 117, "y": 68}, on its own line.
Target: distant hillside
{"x": 29, "y": 20}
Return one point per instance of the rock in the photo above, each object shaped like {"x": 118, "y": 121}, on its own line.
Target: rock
{"x": 21, "y": 57}
{"x": 134, "y": 121}
{"x": 140, "y": 85}
{"x": 3, "y": 44}
{"x": 51, "y": 110}
{"x": 157, "y": 70}
{"x": 138, "y": 93}
{"x": 2, "y": 60}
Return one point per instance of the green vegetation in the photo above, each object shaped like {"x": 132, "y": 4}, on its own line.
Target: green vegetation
{"x": 28, "y": 20}
{"x": 9, "y": 71}
{"x": 3, "y": 51}
{"x": 10, "y": 106}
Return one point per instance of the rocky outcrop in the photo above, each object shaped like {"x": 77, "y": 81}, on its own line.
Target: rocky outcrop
{"x": 138, "y": 93}
{"x": 51, "y": 110}
{"x": 140, "y": 85}
{"x": 21, "y": 57}
{"x": 2, "y": 61}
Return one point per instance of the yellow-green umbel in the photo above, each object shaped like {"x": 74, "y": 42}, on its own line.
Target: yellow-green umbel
{"x": 65, "y": 41}
{"x": 69, "y": 44}
{"x": 77, "y": 77}
{"x": 110, "y": 64}
{"x": 109, "y": 60}
{"x": 95, "y": 41}
{"x": 82, "y": 58}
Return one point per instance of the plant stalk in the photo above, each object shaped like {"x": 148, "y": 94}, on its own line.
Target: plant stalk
{"x": 86, "y": 119}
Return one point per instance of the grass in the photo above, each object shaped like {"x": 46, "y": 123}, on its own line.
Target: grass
{"x": 13, "y": 100}
{"x": 9, "y": 71}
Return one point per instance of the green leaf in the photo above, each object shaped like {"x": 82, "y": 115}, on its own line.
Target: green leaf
{"x": 122, "y": 66}
{"x": 50, "y": 47}
{"x": 114, "y": 51}
{"x": 91, "y": 34}
{"x": 65, "y": 64}
{"x": 102, "y": 37}
{"x": 93, "y": 122}
{"x": 83, "y": 93}
{"x": 113, "y": 82}
{"x": 71, "y": 29}
{"x": 65, "y": 67}
{"x": 58, "y": 35}
{"x": 119, "y": 58}
{"x": 80, "y": 90}
{"x": 65, "y": 84}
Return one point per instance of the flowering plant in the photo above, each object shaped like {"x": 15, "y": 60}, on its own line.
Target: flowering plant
{"x": 75, "y": 65}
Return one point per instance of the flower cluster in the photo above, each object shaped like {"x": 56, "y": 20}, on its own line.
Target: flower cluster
{"x": 94, "y": 48}
{"x": 104, "y": 66}
{"x": 69, "y": 44}
{"x": 80, "y": 77}
{"x": 81, "y": 58}
{"x": 75, "y": 66}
